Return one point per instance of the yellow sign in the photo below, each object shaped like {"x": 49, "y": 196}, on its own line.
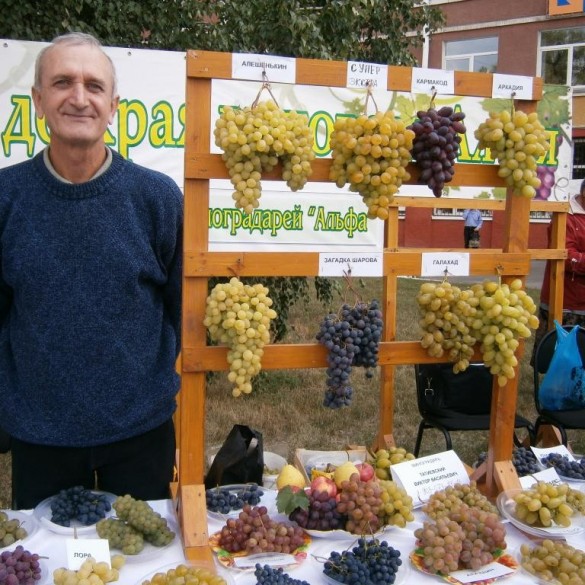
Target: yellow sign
{"x": 556, "y": 7}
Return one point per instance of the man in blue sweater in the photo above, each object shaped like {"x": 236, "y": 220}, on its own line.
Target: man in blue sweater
{"x": 90, "y": 296}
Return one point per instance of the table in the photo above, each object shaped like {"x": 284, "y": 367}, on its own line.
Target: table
{"x": 51, "y": 545}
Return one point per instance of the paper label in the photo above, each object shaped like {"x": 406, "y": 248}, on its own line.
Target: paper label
{"x": 549, "y": 475}
{"x": 360, "y": 75}
{"x": 422, "y": 477}
{"x": 80, "y": 549}
{"x": 351, "y": 264}
{"x": 272, "y": 559}
{"x": 490, "y": 571}
{"x": 429, "y": 80}
{"x": 444, "y": 264}
{"x": 504, "y": 86}
{"x": 251, "y": 66}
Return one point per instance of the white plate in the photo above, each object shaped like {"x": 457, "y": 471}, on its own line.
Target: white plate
{"x": 43, "y": 514}
{"x": 223, "y": 573}
{"x": 506, "y": 506}
{"x": 267, "y": 499}
{"x": 27, "y": 521}
{"x": 321, "y": 553}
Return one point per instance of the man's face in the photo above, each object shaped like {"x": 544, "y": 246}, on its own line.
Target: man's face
{"x": 76, "y": 95}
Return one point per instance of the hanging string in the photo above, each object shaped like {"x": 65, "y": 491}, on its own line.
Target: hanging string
{"x": 265, "y": 86}
{"x": 369, "y": 96}
{"x": 433, "y": 96}
{"x": 512, "y": 106}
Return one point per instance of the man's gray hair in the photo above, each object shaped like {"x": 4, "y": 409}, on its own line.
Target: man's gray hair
{"x": 73, "y": 38}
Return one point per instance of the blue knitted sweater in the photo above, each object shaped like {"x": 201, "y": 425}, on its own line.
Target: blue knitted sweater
{"x": 90, "y": 300}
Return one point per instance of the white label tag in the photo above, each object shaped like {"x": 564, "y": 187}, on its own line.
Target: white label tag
{"x": 424, "y": 476}
{"x": 360, "y": 75}
{"x": 505, "y": 85}
{"x": 428, "y": 80}
{"x": 493, "y": 570}
{"x": 351, "y": 263}
{"x": 80, "y": 549}
{"x": 444, "y": 264}
{"x": 272, "y": 559}
{"x": 251, "y": 66}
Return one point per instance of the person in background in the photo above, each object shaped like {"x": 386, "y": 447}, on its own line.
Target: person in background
{"x": 90, "y": 296}
{"x": 574, "y": 278}
{"x": 472, "y": 224}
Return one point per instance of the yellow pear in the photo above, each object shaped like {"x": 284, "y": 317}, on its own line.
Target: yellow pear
{"x": 343, "y": 472}
{"x": 290, "y": 475}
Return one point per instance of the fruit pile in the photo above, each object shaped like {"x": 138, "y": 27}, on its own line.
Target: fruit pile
{"x": 90, "y": 571}
{"x": 383, "y": 459}
{"x": 436, "y": 145}
{"x": 223, "y": 500}
{"x": 371, "y": 153}
{"x": 570, "y": 468}
{"x": 554, "y": 561}
{"x": 239, "y": 316}
{"x": 11, "y": 530}
{"x": 19, "y": 567}
{"x": 523, "y": 459}
{"x": 517, "y": 140}
{"x": 185, "y": 574}
{"x": 254, "y": 139}
{"x": 78, "y": 503}
{"x": 492, "y": 314}
{"x": 136, "y": 523}
{"x": 267, "y": 575}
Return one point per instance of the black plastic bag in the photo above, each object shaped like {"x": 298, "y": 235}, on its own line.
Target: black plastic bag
{"x": 4, "y": 441}
{"x": 240, "y": 459}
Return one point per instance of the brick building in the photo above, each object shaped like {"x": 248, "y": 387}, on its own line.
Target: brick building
{"x": 531, "y": 37}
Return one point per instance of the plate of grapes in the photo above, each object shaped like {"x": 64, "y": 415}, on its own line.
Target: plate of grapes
{"x": 186, "y": 572}
{"x": 15, "y": 528}
{"x": 567, "y": 468}
{"x": 227, "y": 501}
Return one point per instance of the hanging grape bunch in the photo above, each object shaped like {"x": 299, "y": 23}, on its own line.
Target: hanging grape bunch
{"x": 436, "y": 145}
{"x": 254, "y": 139}
{"x": 516, "y": 140}
{"x": 371, "y": 155}
{"x": 352, "y": 338}
{"x": 239, "y": 315}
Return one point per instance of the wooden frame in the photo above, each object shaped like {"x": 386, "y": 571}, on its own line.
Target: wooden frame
{"x": 512, "y": 261}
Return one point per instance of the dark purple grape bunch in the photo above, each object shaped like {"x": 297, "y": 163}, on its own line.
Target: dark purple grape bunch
{"x": 436, "y": 145}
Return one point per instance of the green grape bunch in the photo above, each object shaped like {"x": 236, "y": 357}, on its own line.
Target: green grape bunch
{"x": 517, "y": 140}
{"x": 371, "y": 155}
{"x": 254, "y": 140}
{"x": 239, "y": 315}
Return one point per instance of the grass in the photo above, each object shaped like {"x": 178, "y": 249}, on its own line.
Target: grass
{"x": 287, "y": 406}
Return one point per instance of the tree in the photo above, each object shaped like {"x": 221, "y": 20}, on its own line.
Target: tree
{"x": 356, "y": 30}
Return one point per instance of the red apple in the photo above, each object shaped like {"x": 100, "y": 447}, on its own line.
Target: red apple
{"x": 367, "y": 472}
{"x": 324, "y": 484}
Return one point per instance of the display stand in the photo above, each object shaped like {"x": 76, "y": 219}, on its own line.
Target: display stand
{"x": 512, "y": 261}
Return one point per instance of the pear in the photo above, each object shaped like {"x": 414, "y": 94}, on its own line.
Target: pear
{"x": 291, "y": 476}
{"x": 343, "y": 472}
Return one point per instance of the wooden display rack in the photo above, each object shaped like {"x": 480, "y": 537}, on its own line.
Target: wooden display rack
{"x": 512, "y": 261}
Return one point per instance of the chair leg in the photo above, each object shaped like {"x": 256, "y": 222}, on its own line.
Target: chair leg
{"x": 447, "y": 438}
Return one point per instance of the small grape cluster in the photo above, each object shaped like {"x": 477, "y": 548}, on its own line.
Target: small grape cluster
{"x": 79, "y": 503}
{"x": 19, "y": 567}
{"x": 223, "y": 500}
{"x": 554, "y": 561}
{"x": 371, "y": 561}
{"x": 490, "y": 313}
{"x": 320, "y": 514}
{"x": 239, "y": 315}
{"x": 517, "y": 140}
{"x": 385, "y": 458}
{"x": 573, "y": 469}
{"x": 254, "y": 139}
{"x": 186, "y": 574}
{"x": 136, "y": 523}
{"x": 397, "y": 505}
{"x": 90, "y": 571}
{"x": 444, "y": 502}
{"x": 11, "y": 530}
{"x": 544, "y": 504}
{"x": 352, "y": 338}
{"x": 523, "y": 459}
{"x": 267, "y": 575}
{"x": 255, "y": 532}
{"x": 361, "y": 503}
{"x": 465, "y": 538}
{"x": 436, "y": 145}
{"x": 371, "y": 154}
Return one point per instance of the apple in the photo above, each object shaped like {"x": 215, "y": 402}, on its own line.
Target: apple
{"x": 367, "y": 472}
{"x": 324, "y": 484}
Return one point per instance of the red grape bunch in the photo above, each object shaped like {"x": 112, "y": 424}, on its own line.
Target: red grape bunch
{"x": 436, "y": 145}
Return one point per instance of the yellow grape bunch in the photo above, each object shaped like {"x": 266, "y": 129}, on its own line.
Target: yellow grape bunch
{"x": 239, "y": 315}
{"x": 254, "y": 140}
{"x": 516, "y": 140}
{"x": 371, "y": 155}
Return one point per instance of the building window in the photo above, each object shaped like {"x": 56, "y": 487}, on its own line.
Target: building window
{"x": 562, "y": 56}
{"x": 479, "y": 55}
{"x": 578, "y": 158}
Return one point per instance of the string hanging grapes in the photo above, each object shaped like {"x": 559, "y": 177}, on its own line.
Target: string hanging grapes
{"x": 239, "y": 315}
{"x": 371, "y": 153}
{"x": 255, "y": 139}
{"x": 516, "y": 140}
{"x": 436, "y": 145}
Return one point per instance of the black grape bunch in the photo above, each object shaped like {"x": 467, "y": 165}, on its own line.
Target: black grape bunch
{"x": 352, "y": 338}
{"x": 437, "y": 135}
